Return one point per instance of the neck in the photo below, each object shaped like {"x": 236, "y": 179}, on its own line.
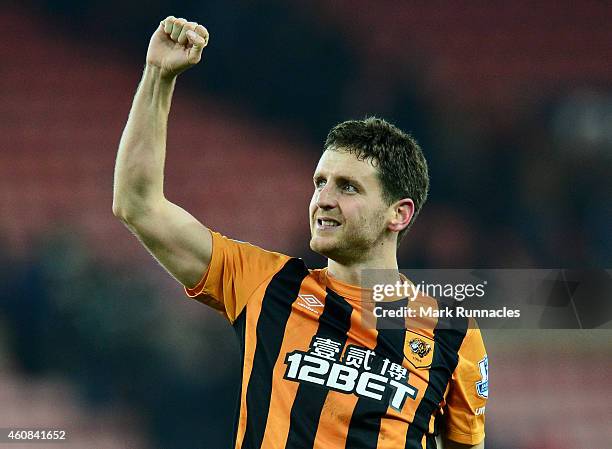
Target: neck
{"x": 351, "y": 273}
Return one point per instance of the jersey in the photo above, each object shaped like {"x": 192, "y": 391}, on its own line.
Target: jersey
{"x": 314, "y": 377}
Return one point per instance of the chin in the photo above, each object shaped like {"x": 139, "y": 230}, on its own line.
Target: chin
{"x": 323, "y": 246}
{"x": 328, "y": 248}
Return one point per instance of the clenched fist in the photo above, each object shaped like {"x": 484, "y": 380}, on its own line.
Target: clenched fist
{"x": 176, "y": 45}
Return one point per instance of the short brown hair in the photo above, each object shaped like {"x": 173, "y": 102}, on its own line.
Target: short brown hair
{"x": 402, "y": 168}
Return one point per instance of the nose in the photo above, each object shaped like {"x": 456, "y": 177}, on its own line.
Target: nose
{"x": 326, "y": 198}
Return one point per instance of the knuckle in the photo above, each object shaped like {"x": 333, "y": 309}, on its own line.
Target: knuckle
{"x": 202, "y": 31}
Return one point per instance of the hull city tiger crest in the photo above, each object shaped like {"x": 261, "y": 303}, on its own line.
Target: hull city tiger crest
{"x": 419, "y": 347}
{"x": 418, "y": 350}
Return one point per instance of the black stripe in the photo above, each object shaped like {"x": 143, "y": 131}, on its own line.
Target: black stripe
{"x": 365, "y": 421}
{"x": 239, "y": 329}
{"x": 430, "y": 441}
{"x": 334, "y": 323}
{"x": 275, "y": 310}
{"x": 448, "y": 336}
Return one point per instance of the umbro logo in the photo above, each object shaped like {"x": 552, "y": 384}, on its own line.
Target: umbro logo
{"x": 310, "y": 302}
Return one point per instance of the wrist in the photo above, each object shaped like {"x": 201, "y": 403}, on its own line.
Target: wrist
{"x": 156, "y": 73}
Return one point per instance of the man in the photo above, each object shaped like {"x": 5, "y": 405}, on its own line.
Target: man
{"x": 313, "y": 376}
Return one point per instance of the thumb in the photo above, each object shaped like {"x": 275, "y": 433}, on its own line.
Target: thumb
{"x": 198, "y": 43}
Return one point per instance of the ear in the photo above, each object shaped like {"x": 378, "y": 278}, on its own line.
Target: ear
{"x": 402, "y": 214}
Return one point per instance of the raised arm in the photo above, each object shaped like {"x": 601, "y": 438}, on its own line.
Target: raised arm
{"x": 180, "y": 243}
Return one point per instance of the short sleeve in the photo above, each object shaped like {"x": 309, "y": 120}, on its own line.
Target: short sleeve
{"x": 468, "y": 391}
{"x": 235, "y": 271}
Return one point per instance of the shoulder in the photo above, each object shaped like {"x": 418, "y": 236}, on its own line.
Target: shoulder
{"x": 230, "y": 246}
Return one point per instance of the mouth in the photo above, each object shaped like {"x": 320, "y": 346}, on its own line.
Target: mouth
{"x": 325, "y": 224}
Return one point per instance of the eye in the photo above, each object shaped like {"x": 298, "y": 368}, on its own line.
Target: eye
{"x": 349, "y": 188}
{"x": 319, "y": 183}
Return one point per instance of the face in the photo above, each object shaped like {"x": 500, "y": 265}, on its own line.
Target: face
{"x": 348, "y": 215}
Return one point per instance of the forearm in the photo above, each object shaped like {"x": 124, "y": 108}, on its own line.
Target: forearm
{"x": 139, "y": 168}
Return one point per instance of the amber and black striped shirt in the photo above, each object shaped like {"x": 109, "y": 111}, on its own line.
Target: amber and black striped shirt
{"x": 313, "y": 376}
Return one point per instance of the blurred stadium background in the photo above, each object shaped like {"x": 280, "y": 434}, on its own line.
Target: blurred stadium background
{"x": 511, "y": 101}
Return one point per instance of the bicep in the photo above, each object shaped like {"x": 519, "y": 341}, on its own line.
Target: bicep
{"x": 177, "y": 240}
